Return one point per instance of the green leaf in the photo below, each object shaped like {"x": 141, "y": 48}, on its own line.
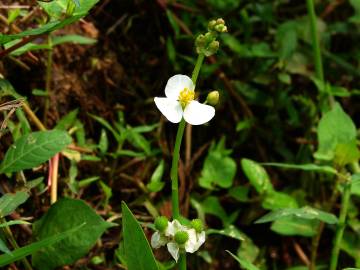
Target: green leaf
{"x": 219, "y": 168}
{"x": 229, "y": 231}
{"x": 277, "y": 200}
{"x": 63, "y": 215}
{"x": 57, "y": 9}
{"x": 67, "y": 120}
{"x": 304, "y": 167}
{"x": 75, "y": 39}
{"x": 240, "y": 193}
{"x": 33, "y": 149}
{"x": 243, "y": 262}
{"x": 13, "y": 222}
{"x": 335, "y": 127}
{"x": 257, "y": 176}
{"x": 22, "y": 252}
{"x": 351, "y": 245}
{"x": 287, "y": 39}
{"x": 9, "y": 202}
{"x": 355, "y": 184}
{"x": 155, "y": 184}
{"x": 138, "y": 253}
{"x": 305, "y": 212}
{"x": 292, "y": 226}
{"x": 103, "y": 142}
{"x": 3, "y": 247}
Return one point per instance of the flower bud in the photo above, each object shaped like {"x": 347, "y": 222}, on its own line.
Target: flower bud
{"x": 212, "y": 48}
{"x": 213, "y": 99}
{"x": 197, "y": 224}
{"x": 220, "y": 21}
{"x": 211, "y": 25}
{"x": 221, "y": 28}
{"x": 161, "y": 223}
{"x": 181, "y": 237}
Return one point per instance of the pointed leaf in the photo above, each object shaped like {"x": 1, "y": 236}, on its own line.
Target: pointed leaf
{"x": 138, "y": 253}
{"x": 9, "y": 202}
{"x": 33, "y": 149}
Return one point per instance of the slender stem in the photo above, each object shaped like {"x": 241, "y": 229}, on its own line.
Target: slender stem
{"x": 49, "y": 64}
{"x": 341, "y": 225}
{"x": 10, "y": 237}
{"x": 315, "y": 40}
{"x": 174, "y": 170}
{"x": 175, "y": 161}
{"x": 196, "y": 71}
{"x": 316, "y": 46}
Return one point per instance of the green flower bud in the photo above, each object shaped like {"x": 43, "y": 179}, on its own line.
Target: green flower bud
{"x": 211, "y": 25}
{"x": 221, "y": 28}
{"x": 212, "y": 48}
{"x": 220, "y": 21}
{"x": 212, "y": 99}
{"x": 181, "y": 237}
{"x": 197, "y": 224}
{"x": 161, "y": 223}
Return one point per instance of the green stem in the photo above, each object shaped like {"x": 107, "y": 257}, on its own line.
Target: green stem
{"x": 49, "y": 64}
{"x": 174, "y": 175}
{"x": 10, "y": 237}
{"x": 315, "y": 40}
{"x": 316, "y": 46}
{"x": 174, "y": 170}
{"x": 341, "y": 225}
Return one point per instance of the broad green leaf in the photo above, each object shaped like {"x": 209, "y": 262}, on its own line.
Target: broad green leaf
{"x": 243, "y": 262}
{"x": 346, "y": 153}
{"x": 211, "y": 205}
{"x": 229, "y": 231}
{"x": 155, "y": 184}
{"x": 137, "y": 250}
{"x": 293, "y": 225}
{"x": 10, "y": 201}
{"x": 304, "y": 167}
{"x": 248, "y": 250}
{"x": 219, "y": 168}
{"x": 22, "y": 252}
{"x": 257, "y": 176}
{"x": 355, "y": 184}
{"x": 57, "y": 9}
{"x": 277, "y": 200}
{"x": 33, "y": 149}
{"x": 335, "y": 127}
{"x": 305, "y": 212}
{"x": 62, "y": 216}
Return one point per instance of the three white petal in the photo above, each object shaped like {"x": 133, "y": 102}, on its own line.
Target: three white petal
{"x": 194, "y": 113}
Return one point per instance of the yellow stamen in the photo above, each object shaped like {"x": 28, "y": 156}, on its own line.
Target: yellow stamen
{"x": 186, "y": 96}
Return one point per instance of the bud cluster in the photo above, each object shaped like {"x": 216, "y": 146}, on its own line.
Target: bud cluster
{"x": 207, "y": 43}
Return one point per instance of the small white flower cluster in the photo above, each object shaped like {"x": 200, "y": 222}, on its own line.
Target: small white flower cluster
{"x": 178, "y": 238}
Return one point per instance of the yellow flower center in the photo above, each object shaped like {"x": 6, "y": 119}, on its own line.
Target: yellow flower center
{"x": 186, "y": 96}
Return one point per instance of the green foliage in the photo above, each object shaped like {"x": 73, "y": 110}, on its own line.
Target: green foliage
{"x": 336, "y": 129}
{"x": 257, "y": 176}
{"x": 155, "y": 184}
{"x": 33, "y": 149}
{"x": 219, "y": 168}
{"x": 304, "y": 213}
{"x": 138, "y": 254}
{"x": 244, "y": 263}
{"x": 62, "y": 216}
{"x": 9, "y": 202}
{"x": 45, "y": 243}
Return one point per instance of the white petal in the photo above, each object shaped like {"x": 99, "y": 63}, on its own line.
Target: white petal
{"x": 173, "y": 227}
{"x": 170, "y": 108}
{"x": 191, "y": 244}
{"x": 196, "y": 113}
{"x": 201, "y": 238}
{"x": 156, "y": 240}
{"x": 176, "y": 84}
{"x": 173, "y": 248}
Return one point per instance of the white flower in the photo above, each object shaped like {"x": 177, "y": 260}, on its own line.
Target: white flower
{"x": 192, "y": 244}
{"x": 179, "y": 102}
{"x": 158, "y": 240}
